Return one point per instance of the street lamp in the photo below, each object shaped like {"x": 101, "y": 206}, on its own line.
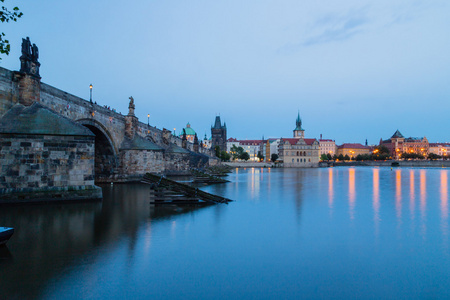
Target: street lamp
{"x": 174, "y": 131}
{"x": 90, "y": 87}
{"x": 148, "y": 119}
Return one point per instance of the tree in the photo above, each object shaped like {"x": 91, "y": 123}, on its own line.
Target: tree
{"x": 217, "y": 151}
{"x": 245, "y": 156}
{"x": 329, "y": 156}
{"x": 224, "y": 156}
{"x": 335, "y": 157}
{"x": 341, "y": 157}
{"x": 433, "y": 156}
{"x": 7, "y": 15}
{"x": 346, "y": 157}
{"x": 323, "y": 157}
{"x": 381, "y": 152}
{"x": 260, "y": 156}
{"x": 274, "y": 157}
{"x": 412, "y": 156}
{"x": 236, "y": 152}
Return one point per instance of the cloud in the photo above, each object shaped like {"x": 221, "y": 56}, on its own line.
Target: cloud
{"x": 346, "y": 29}
{"x": 331, "y": 28}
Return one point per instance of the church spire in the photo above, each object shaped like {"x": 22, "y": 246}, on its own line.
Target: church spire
{"x": 298, "y": 123}
{"x": 299, "y": 132}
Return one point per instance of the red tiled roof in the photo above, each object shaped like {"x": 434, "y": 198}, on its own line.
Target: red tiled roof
{"x": 326, "y": 141}
{"x": 232, "y": 140}
{"x": 293, "y": 141}
{"x": 352, "y": 146}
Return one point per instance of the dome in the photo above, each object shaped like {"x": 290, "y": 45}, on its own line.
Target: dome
{"x": 188, "y": 130}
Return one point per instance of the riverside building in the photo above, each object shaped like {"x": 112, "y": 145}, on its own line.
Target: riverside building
{"x": 299, "y": 151}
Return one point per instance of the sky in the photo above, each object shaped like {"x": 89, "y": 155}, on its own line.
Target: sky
{"x": 353, "y": 69}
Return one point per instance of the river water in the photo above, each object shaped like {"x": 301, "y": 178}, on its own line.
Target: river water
{"x": 337, "y": 233}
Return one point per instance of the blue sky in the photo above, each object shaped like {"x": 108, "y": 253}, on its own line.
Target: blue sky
{"x": 355, "y": 69}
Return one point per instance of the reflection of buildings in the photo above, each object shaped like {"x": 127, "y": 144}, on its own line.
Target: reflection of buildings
{"x": 398, "y": 144}
{"x": 352, "y": 150}
{"x": 298, "y": 151}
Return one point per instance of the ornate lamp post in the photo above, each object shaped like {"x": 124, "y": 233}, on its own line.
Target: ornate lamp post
{"x": 148, "y": 119}
{"x": 90, "y": 87}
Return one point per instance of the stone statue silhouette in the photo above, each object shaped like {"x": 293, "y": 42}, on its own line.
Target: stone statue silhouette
{"x": 131, "y": 107}
{"x": 34, "y": 53}
{"x": 26, "y": 48}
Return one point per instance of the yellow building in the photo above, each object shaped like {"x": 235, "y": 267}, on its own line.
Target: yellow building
{"x": 441, "y": 149}
{"x": 352, "y": 150}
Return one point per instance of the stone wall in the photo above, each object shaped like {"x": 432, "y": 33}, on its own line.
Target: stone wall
{"x": 8, "y": 90}
{"x": 135, "y": 163}
{"x": 45, "y": 165}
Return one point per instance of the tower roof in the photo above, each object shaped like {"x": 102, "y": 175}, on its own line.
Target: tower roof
{"x": 218, "y": 124}
{"x": 298, "y": 123}
{"x": 397, "y": 134}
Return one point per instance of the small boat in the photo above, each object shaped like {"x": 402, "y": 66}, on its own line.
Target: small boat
{"x": 5, "y": 234}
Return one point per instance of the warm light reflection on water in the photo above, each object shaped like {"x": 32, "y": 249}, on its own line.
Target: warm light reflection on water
{"x": 444, "y": 204}
{"x": 412, "y": 194}
{"x": 398, "y": 194}
{"x": 285, "y": 227}
{"x": 351, "y": 192}
{"x": 330, "y": 189}
{"x": 423, "y": 201}
{"x": 376, "y": 198}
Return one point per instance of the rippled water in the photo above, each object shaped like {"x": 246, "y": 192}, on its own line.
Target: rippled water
{"x": 292, "y": 233}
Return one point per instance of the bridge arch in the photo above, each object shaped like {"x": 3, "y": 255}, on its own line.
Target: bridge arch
{"x": 106, "y": 159}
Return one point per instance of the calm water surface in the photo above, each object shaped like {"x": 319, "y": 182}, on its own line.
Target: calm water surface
{"x": 292, "y": 233}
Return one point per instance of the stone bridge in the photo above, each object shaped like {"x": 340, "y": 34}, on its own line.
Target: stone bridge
{"x": 124, "y": 148}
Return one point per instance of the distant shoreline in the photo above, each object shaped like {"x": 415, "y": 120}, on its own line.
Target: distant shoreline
{"x": 388, "y": 163}
{"x": 401, "y": 163}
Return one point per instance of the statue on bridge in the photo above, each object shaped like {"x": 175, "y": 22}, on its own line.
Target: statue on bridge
{"x": 131, "y": 107}
{"x": 26, "y": 48}
{"x": 34, "y": 53}
{"x": 29, "y": 60}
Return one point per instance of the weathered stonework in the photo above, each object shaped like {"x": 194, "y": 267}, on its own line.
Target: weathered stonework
{"x": 118, "y": 147}
{"x": 37, "y": 163}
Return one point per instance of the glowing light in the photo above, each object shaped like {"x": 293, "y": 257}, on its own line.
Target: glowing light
{"x": 330, "y": 188}
{"x": 412, "y": 194}
{"x": 398, "y": 193}
{"x": 376, "y": 198}
{"x": 351, "y": 191}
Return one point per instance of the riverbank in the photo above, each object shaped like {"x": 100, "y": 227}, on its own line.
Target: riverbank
{"x": 250, "y": 164}
{"x": 401, "y": 163}
{"x": 387, "y": 163}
